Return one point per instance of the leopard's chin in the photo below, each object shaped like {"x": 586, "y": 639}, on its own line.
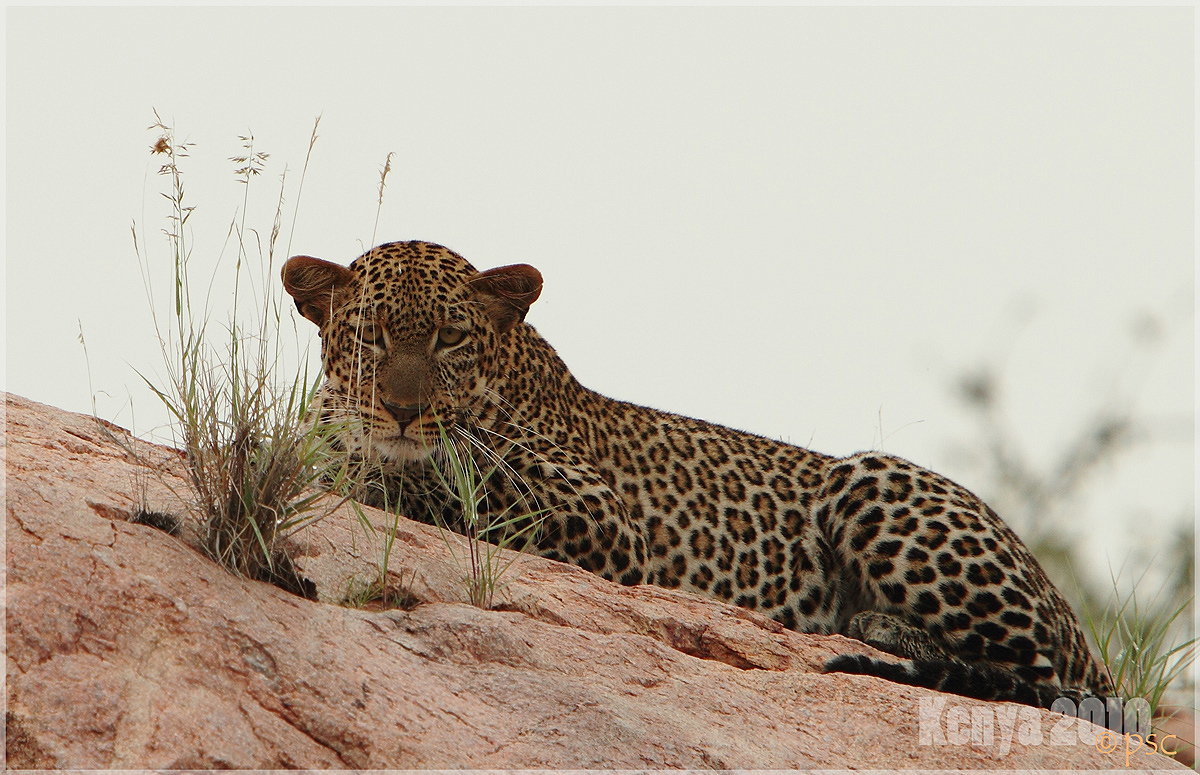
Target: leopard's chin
{"x": 400, "y": 449}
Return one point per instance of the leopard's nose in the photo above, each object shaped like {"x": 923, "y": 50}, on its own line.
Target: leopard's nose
{"x": 403, "y": 414}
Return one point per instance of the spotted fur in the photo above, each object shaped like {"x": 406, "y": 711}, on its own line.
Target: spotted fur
{"x": 417, "y": 343}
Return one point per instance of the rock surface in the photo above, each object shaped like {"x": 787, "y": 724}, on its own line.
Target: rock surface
{"x": 129, "y": 649}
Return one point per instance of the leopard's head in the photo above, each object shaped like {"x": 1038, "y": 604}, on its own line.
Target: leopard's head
{"x": 409, "y": 334}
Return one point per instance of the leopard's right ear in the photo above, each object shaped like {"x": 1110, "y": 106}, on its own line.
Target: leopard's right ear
{"x": 507, "y": 292}
{"x": 312, "y": 283}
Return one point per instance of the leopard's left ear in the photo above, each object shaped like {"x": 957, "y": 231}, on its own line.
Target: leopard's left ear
{"x": 313, "y": 283}
{"x": 507, "y": 292}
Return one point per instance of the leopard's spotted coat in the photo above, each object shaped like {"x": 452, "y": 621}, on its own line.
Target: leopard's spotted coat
{"x": 867, "y": 545}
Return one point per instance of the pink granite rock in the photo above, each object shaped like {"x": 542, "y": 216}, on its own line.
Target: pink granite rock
{"x": 128, "y": 649}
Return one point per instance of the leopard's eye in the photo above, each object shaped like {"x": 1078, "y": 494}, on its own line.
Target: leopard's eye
{"x": 368, "y": 332}
{"x": 449, "y": 337}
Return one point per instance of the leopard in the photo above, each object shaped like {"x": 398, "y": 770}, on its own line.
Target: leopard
{"x": 423, "y": 354}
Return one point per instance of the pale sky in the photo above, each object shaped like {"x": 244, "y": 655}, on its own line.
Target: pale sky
{"x": 802, "y": 222}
